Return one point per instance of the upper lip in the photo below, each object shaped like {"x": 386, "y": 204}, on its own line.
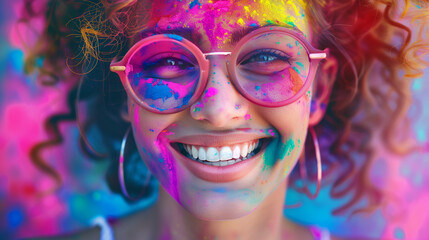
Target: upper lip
{"x": 216, "y": 140}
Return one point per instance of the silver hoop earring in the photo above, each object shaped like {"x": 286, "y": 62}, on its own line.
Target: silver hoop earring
{"x": 303, "y": 171}
{"x": 121, "y": 171}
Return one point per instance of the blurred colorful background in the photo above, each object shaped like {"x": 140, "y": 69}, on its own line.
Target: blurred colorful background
{"x": 25, "y": 211}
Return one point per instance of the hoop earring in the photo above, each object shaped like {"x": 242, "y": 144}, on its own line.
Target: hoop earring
{"x": 303, "y": 171}
{"x": 121, "y": 170}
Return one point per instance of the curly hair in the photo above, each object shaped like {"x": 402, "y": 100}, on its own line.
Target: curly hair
{"x": 374, "y": 50}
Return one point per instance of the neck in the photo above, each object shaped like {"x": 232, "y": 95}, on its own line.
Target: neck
{"x": 265, "y": 222}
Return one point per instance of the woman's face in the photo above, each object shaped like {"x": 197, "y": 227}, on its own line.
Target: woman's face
{"x": 222, "y": 122}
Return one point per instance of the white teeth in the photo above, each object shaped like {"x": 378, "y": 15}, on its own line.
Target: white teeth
{"x": 221, "y": 156}
{"x": 212, "y": 154}
{"x": 236, "y": 152}
{"x": 202, "y": 154}
{"x": 194, "y": 152}
{"x": 225, "y": 153}
{"x": 244, "y": 150}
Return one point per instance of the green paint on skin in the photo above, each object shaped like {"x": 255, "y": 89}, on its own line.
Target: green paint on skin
{"x": 296, "y": 70}
{"x": 197, "y": 109}
{"x": 286, "y": 149}
{"x": 271, "y": 155}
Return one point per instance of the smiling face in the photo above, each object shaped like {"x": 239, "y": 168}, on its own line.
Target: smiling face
{"x": 223, "y": 155}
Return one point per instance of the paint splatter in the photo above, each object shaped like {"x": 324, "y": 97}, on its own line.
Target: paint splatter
{"x": 211, "y": 92}
{"x": 296, "y": 81}
{"x": 194, "y": 3}
{"x": 247, "y": 117}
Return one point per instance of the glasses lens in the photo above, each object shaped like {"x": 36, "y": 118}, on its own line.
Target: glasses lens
{"x": 164, "y": 75}
{"x": 272, "y": 67}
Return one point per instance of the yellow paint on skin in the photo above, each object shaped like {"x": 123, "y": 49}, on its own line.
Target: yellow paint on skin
{"x": 274, "y": 12}
{"x": 241, "y": 22}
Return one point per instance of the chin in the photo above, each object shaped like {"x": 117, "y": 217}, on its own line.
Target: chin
{"x": 220, "y": 210}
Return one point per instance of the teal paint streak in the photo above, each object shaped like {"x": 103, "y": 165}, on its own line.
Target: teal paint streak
{"x": 296, "y": 70}
{"x": 277, "y": 151}
{"x": 286, "y": 149}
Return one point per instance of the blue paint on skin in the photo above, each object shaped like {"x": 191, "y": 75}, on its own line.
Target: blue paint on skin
{"x": 289, "y": 45}
{"x": 136, "y": 78}
{"x": 220, "y": 190}
{"x": 159, "y": 91}
{"x": 194, "y": 3}
{"x": 175, "y": 37}
{"x": 257, "y": 88}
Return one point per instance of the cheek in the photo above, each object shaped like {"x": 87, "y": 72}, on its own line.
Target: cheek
{"x": 148, "y": 129}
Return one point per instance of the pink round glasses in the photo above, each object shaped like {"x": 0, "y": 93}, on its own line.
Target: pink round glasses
{"x": 271, "y": 67}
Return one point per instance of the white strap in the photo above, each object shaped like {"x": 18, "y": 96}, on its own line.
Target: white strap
{"x": 106, "y": 230}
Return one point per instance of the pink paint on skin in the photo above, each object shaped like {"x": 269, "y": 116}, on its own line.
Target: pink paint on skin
{"x": 247, "y": 117}
{"x": 136, "y": 115}
{"x": 169, "y": 164}
{"x": 211, "y": 92}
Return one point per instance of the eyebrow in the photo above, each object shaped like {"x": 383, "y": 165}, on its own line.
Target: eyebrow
{"x": 195, "y": 37}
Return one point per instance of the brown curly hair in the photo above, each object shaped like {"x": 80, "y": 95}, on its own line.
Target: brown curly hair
{"x": 374, "y": 50}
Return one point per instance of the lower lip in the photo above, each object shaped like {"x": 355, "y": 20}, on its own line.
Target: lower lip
{"x": 219, "y": 174}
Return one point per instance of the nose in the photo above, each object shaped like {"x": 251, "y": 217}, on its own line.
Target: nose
{"x": 221, "y": 104}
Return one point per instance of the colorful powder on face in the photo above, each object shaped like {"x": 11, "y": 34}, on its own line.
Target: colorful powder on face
{"x": 159, "y": 91}
{"x": 257, "y": 88}
{"x": 210, "y": 92}
{"x": 296, "y": 81}
{"x": 136, "y": 116}
{"x": 286, "y": 149}
{"x": 296, "y": 70}
{"x": 247, "y": 117}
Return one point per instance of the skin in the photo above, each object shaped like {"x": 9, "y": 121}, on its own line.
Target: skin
{"x": 249, "y": 207}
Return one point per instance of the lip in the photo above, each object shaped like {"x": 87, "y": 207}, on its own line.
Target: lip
{"x": 219, "y": 174}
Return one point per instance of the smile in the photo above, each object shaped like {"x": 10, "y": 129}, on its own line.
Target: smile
{"x": 221, "y": 156}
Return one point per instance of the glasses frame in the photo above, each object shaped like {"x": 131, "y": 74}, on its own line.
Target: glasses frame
{"x": 122, "y": 67}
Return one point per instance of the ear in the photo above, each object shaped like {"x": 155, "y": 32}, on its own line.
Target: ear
{"x": 322, "y": 88}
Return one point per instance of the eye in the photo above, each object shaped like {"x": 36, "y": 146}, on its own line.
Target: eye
{"x": 265, "y": 61}
{"x": 168, "y": 66}
{"x": 265, "y": 56}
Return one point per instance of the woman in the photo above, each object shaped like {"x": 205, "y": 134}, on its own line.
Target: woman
{"x": 219, "y": 98}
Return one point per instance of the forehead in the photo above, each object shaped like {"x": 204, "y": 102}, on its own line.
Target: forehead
{"x": 215, "y": 22}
